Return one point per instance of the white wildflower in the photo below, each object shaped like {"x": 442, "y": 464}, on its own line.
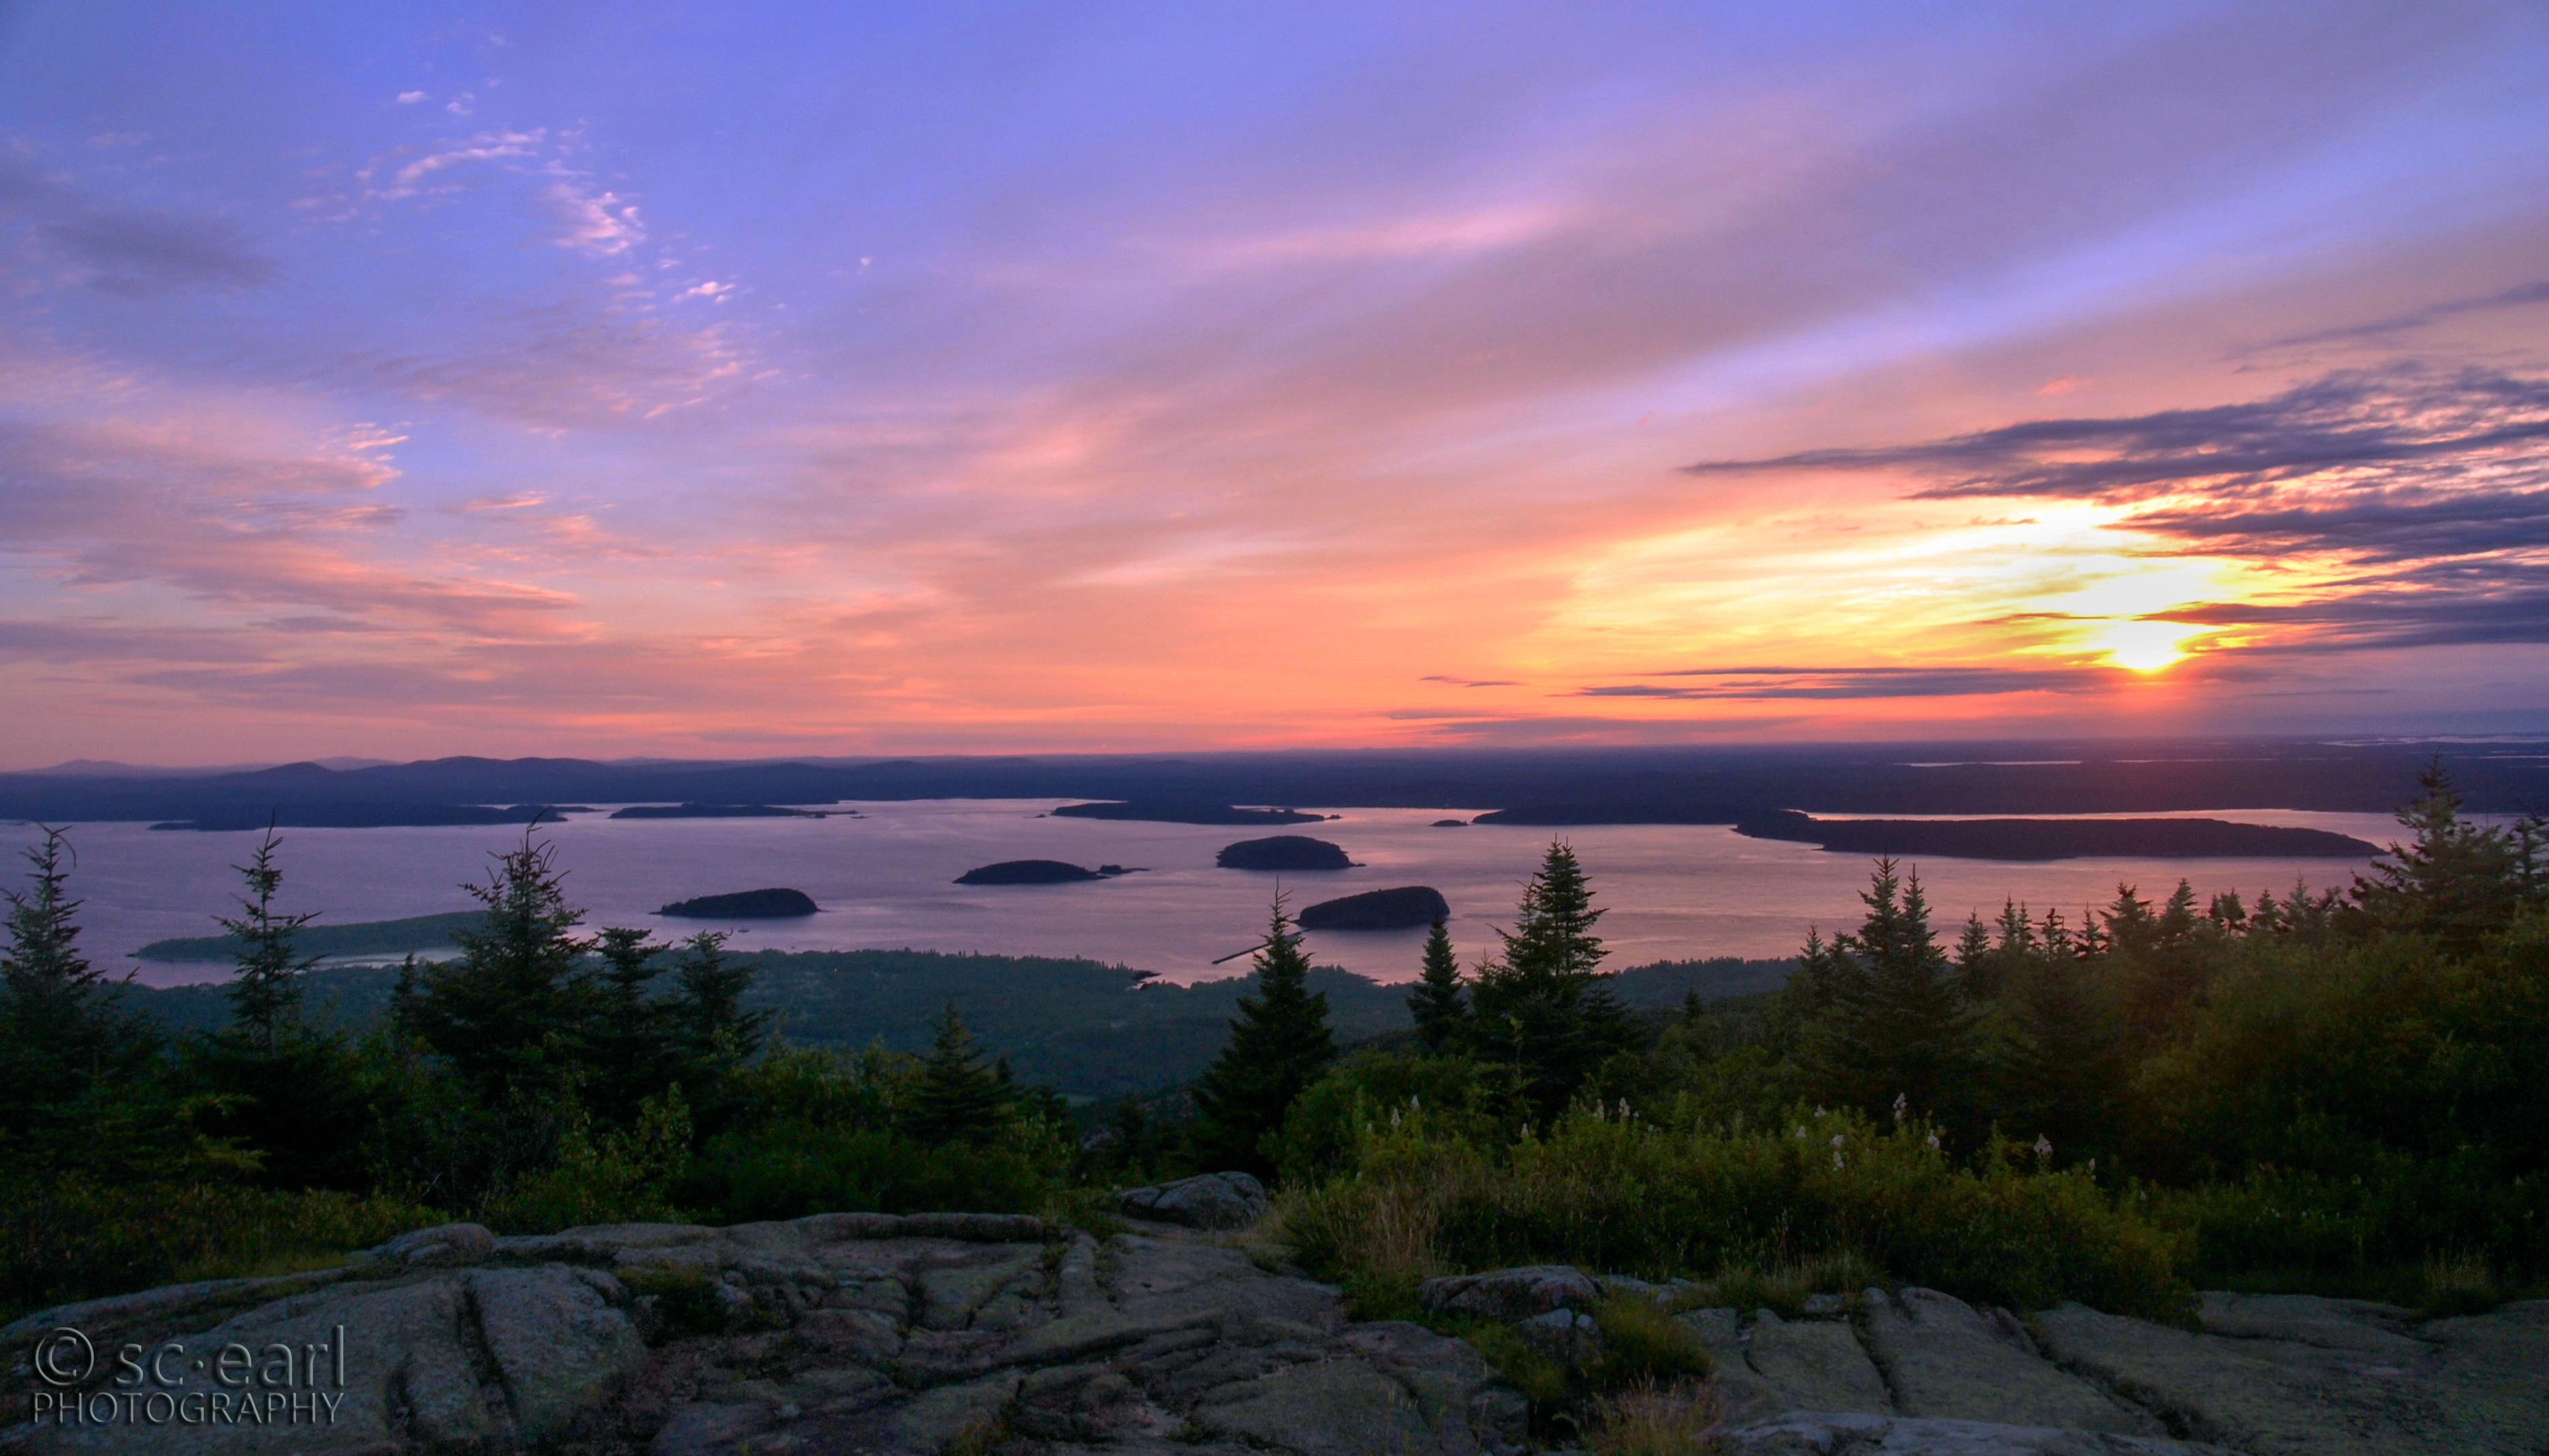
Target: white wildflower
{"x": 1835, "y": 1159}
{"x": 2043, "y": 1147}
{"x": 1839, "y": 1140}
{"x": 1901, "y": 1108}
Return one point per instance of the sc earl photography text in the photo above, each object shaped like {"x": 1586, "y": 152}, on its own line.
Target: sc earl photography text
{"x": 166, "y": 1383}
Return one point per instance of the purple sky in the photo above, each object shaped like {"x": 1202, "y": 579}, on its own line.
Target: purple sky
{"x": 722, "y": 379}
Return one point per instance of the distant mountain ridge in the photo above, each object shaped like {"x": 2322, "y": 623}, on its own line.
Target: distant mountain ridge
{"x": 1539, "y": 788}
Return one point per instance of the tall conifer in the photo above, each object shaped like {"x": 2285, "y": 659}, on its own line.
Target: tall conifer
{"x": 957, "y": 1098}
{"x": 495, "y": 1011}
{"x": 1278, "y": 1045}
{"x": 1540, "y": 1008}
{"x": 265, "y": 993}
{"x": 1898, "y": 1024}
{"x": 1437, "y": 1004}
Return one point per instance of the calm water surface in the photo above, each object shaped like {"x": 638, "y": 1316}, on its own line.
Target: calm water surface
{"x": 885, "y": 880}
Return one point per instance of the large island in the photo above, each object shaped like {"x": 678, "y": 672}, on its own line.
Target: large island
{"x": 2057, "y": 839}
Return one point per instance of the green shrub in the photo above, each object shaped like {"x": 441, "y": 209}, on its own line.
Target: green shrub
{"x": 794, "y": 1169}
{"x": 1623, "y": 1195}
{"x": 1642, "y": 1343}
{"x": 602, "y": 1176}
{"x": 1653, "y": 1420}
{"x": 70, "y": 1239}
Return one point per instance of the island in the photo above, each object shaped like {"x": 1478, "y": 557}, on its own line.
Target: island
{"x": 767, "y": 904}
{"x": 230, "y": 820}
{"x": 2056, "y": 839}
{"x": 334, "y": 942}
{"x": 1408, "y": 907}
{"x": 1282, "y": 852}
{"x": 1179, "y": 811}
{"x": 1035, "y": 871}
{"x": 714, "y": 811}
{"x": 1451, "y": 824}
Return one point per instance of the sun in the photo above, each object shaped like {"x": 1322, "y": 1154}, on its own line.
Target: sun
{"x": 2143, "y": 646}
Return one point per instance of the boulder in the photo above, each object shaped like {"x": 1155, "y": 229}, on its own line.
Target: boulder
{"x": 2331, "y": 1395}
{"x": 1512, "y": 1294}
{"x": 1820, "y": 1434}
{"x": 1816, "y": 1365}
{"x": 556, "y": 1342}
{"x": 441, "y": 1246}
{"x": 1941, "y": 1358}
{"x": 1562, "y": 1335}
{"x": 1205, "y": 1201}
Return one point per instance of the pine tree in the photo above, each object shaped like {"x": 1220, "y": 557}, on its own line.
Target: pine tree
{"x": 282, "y": 1091}
{"x": 77, "y": 1080}
{"x": 2065, "y": 1063}
{"x": 1899, "y": 1025}
{"x": 265, "y": 993}
{"x": 707, "y": 1004}
{"x": 1278, "y": 1045}
{"x": 631, "y": 1041}
{"x": 1437, "y": 1004}
{"x": 1540, "y": 1009}
{"x": 502, "y": 1012}
{"x": 1976, "y": 964}
{"x": 2455, "y": 880}
{"x": 956, "y": 1100}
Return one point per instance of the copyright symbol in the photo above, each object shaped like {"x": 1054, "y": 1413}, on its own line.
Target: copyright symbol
{"x": 63, "y": 1358}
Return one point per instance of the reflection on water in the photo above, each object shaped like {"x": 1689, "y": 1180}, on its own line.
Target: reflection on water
{"x": 885, "y": 880}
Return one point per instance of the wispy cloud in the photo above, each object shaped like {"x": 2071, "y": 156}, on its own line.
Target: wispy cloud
{"x": 1737, "y": 684}
{"x": 2405, "y": 425}
{"x": 129, "y": 251}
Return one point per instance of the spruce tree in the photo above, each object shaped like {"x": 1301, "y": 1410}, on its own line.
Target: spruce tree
{"x": 1898, "y": 1024}
{"x": 1437, "y": 1004}
{"x": 265, "y": 992}
{"x": 956, "y": 1099}
{"x": 506, "y": 1012}
{"x": 631, "y": 1041}
{"x": 1540, "y": 1009}
{"x": 2454, "y": 880}
{"x": 707, "y": 1004}
{"x": 1278, "y": 1045}
{"x": 78, "y": 1083}
{"x": 283, "y": 1091}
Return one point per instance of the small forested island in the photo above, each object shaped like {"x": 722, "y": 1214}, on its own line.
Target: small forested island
{"x": 715, "y": 811}
{"x": 765, "y": 904}
{"x": 1407, "y": 907}
{"x": 1451, "y": 824}
{"x": 1035, "y": 871}
{"x": 1282, "y": 852}
{"x": 2056, "y": 839}
{"x": 1174, "y": 811}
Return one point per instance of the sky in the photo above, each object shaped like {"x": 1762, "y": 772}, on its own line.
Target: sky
{"x": 736, "y": 380}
